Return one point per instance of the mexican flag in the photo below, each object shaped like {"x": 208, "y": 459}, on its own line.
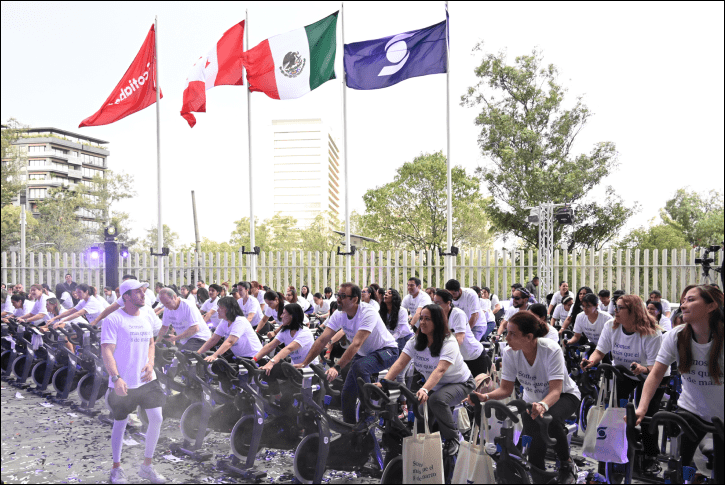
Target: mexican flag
{"x": 288, "y": 66}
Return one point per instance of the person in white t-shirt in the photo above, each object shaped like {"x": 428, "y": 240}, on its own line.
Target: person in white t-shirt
{"x": 561, "y": 311}
{"x": 395, "y": 317}
{"x": 275, "y": 302}
{"x": 102, "y": 301}
{"x": 7, "y": 306}
{"x": 258, "y": 293}
{"x": 634, "y": 339}
{"x": 472, "y": 351}
{"x": 108, "y": 294}
{"x": 249, "y": 304}
{"x": 654, "y": 308}
{"x": 150, "y": 296}
{"x": 656, "y": 295}
{"x": 186, "y": 294}
{"x": 520, "y": 303}
{"x": 369, "y": 296}
{"x": 210, "y": 309}
{"x": 372, "y": 348}
{"x": 328, "y": 294}
{"x": 415, "y": 300}
{"x": 697, "y": 348}
{"x": 538, "y": 364}
{"x": 21, "y": 305}
{"x": 467, "y": 300}
{"x": 590, "y": 322}
{"x": 128, "y": 350}
{"x": 560, "y": 295}
{"x": 190, "y": 327}
{"x": 292, "y": 297}
{"x": 297, "y": 340}
{"x": 605, "y": 296}
{"x": 38, "y": 313}
{"x": 435, "y": 353}
{"x": 235, "y": 329}
{"x": 539, "y": 309}
{"x": 322, "y": 307}
{"x": 306, "y": 294}
{"x": 87, "y": 305}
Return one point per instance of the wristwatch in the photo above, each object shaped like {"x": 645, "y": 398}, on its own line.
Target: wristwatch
{"x": 272, "y": 361}
{"x": 546, "y": 406}
{"x": 115, "y": 378}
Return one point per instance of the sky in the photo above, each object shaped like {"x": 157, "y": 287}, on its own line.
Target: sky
{"x": 652, "y": 74}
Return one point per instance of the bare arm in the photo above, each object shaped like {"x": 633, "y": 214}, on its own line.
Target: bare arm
{"x": 318, "y": 346}
{"x": 188, "y": 333}
{"x": 436, "y": 375}
{"x": 228, "y": 343}
{"x": 460, "y": 336}
{"x": 504, "y": 391}
{"x": 209, "y": 343}
{"x": 397, "y": 367}
{"x": 261, "y": 324}
{"x": 109, "y": 361}
{"x": 111, "y": 308}
{"x": 650, "y": 386}
{"x": 267, "y": 349}
{"x": 416, "y": 317}
{"x": 472, "y": 321}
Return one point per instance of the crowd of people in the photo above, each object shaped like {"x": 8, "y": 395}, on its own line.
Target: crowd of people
{"x": 431, "y": 339}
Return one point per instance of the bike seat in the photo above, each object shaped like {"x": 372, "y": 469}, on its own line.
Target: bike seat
{"x": 707, "y": 448}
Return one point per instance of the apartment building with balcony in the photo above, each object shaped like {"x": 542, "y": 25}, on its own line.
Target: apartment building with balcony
{"x": 307, "y": 169}
{"x": 59, "y": 158}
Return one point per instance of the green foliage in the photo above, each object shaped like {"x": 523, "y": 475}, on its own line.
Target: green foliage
{"x": 58, "y": 222}
{"x": 168, "y": 241}
{"x": 529, "y": 138}
{"x": 206, "y": 245}
{"x": 101, "y": 195}
{"x": 410, "y": 212}
{"x": 12, "y": 164}
{"x": 319, "y": 236}
{"x": 659, "y": 236}
{"x": 10, "y": 227}
{"x": 698, "y": 217}
{"x": 240, "y": 235}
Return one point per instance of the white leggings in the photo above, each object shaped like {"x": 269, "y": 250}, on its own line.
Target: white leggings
{"x": 152, "y": 434}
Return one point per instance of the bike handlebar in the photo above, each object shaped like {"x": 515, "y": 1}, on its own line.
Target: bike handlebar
{"x": 372, "y": 393}
{"x": 521, "y": 406}
{"x": 620, "y": 371}
{"x": 409, "y": 395}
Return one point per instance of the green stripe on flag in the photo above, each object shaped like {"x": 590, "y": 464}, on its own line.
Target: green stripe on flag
{"x": 322, "y": 37}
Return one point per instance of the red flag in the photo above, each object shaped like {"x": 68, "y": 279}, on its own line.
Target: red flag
{"x": 221, "y": 65}
{"x": 136, "y": 91}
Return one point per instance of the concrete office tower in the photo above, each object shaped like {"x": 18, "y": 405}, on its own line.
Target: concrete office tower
{"x": 306, "y": 170}
{"x": 54, "y": 158}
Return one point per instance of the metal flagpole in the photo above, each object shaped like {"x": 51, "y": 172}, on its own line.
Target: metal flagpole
{"x": 196, "y": 237}
{"x": 253, "y": 268}
{"x": 348, "y": 269}
{"x": 160, "y": 230}
{"x": 449, "y": 217}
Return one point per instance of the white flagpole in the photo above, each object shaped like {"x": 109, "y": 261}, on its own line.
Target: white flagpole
{"x": 160, "y": 230}
{"x": 253, "y": 268}
{"x": 449, "y": 220}
{"x": 348, "y": 269}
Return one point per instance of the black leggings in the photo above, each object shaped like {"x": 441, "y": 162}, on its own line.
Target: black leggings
{"x": 688, "y": 446}
{"x": 479, "y": 365}
{"x": 624, "y": 389}
{"x": 562, "y": 409}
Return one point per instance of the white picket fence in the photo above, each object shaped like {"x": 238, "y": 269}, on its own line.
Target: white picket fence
{"x": 634, "y": 271}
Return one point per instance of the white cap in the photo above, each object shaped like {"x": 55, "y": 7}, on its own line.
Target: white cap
{"x": 131, "y": 285}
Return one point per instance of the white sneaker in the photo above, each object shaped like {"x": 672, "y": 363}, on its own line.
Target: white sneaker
{"x": 149, "y": 473}
{"x": 118, "y": 476}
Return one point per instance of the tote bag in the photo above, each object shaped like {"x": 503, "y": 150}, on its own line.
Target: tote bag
{"x": 493, "y": 422}
{"x": 611, "y": 433}
{"x": 594, "y": 417}
{"x": 423, "y": 456}
{"x": 473, "y": 465}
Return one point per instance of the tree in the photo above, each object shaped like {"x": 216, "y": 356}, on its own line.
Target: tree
{"x": 698, "y": 217}
{"x": 13, "y": 160}
{"x": 169, "y": 239}
{"x": 240, "y": 236}
{"x": 206, "y": 245}
{"x": 101, "y": 194}
{"x": 11, "y": 227}
{"x": 58, "y": 221}
{"x": 410, "y": 212}
{"x": 529, "y": 138}
{"x": 659, "y": 236}
{"x": 319, "y": 236}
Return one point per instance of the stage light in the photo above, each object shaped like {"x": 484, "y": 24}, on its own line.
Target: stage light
{"x": 124, "y": 252}
{"x": 95, "y": 252}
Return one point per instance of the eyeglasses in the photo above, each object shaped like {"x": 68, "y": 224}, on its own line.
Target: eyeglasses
{"x": 618, "y": 308}
{"x": 519, "y": 298}
{"x": 342, "y": 296}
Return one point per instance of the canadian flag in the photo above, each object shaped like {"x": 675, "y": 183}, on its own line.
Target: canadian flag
{"x": 222, "y": 65}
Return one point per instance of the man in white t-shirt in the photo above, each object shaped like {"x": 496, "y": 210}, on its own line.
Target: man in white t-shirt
{"x": 127, "y": 347}
{"x": 39, "y": 313}
{"x": 191, "y": 329}
{"x": 559, "y": 295}
{"x": 467, "y": 300}
{"x": 372, "y": 348}
{"x": 520, "y": 302}
{"x": 415, "y": 300}
{"x": 656, "y": 295}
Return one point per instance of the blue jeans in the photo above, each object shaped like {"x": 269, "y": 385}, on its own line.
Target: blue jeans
{"x": 363, "y": 367}
{"x": 490, "y": 327}
{"x": 478, "y": 332}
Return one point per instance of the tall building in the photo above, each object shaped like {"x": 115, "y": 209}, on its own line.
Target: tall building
{"x": 306, "y": 169}
{"x": 59, "y": 158}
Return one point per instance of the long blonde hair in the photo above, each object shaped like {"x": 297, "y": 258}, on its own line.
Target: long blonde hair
{"x": 644, "y": 323}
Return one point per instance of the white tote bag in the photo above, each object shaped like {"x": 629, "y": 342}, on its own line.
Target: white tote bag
{"x": 473, "y": 465}
{"x": 494, "y": 423}
{"x": 594, "y": 417}
{"x": 611, "y": 433}
{"x": 423, "y": 456}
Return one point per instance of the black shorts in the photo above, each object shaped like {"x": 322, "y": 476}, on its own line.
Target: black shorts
{"x": 148, "y": 396}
